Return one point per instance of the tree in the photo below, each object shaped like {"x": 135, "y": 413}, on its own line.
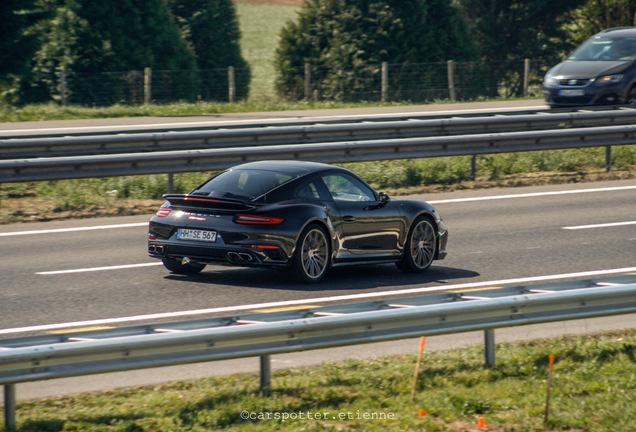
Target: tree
{"x": 596, "y": 15}
{"x": 508, "y": 30}
{"x": 85, "y": 37}
{"x": 16, "y": 46}
{"x": 211, "y": 28}
{"x": 347, "y": 40}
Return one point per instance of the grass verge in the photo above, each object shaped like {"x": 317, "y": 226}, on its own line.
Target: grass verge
{"x": 593, "y": 389}
{"x": 122, "y": 196}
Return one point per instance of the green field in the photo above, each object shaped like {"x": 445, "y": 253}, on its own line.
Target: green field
{"x": 593, "y": 389}
{"x": 260, "y": 27}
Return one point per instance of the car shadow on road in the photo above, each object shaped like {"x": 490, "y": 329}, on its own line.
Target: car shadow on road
{"x": 338, "y": 279}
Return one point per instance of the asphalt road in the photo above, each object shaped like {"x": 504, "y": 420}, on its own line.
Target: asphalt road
{"x": 53, "y": 273}
{"x": 97, "y": 269}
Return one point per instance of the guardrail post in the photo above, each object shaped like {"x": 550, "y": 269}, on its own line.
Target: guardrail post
{"x": 9, "y": 407}
{"x": 266, "y": 374}
{"x": 608, "y": 158}
{"x": 170, "y": 183}
{"x": 489, "y": 347}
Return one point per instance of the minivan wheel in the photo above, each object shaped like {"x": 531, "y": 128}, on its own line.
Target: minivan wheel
{"x": 631, "y": 96}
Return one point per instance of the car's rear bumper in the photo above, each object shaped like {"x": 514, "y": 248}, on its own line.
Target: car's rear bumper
{"x": 225, "y": 255}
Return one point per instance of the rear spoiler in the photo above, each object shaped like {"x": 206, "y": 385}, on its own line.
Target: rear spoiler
{"x": 201, "y": 202}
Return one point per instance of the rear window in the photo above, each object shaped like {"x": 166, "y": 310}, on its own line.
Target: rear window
{"x": 248, "y": 184}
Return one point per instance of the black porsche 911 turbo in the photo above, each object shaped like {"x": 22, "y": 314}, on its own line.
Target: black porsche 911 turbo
{"x": 301, "y": 216}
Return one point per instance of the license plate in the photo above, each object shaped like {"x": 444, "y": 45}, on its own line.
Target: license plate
{"x": 199, "y": 235}
{"x": 572, "y": 92}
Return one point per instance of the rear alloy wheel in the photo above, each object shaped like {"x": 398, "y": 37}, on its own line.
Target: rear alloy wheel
{"x": 311, "y": 258}
{"x": 183, "y": 267}
{"x": 420, "y": 247}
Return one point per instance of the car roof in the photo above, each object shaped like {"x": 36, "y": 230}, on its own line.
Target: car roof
{"x": 291, "y": 167}
{"x": 617, "y": 32}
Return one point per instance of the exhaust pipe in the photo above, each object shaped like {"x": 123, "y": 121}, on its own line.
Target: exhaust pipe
{"x": 239, "y": 257}
{"x": 245, "y": 257}
{"x": 233, "y": 256}
{"x": 156, "y": 249}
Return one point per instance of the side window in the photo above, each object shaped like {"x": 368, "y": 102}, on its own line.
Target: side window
{"x": 309, "y": 191}
{"x": 346, "y": 188}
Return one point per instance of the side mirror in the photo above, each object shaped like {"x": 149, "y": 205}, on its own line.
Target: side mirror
{"x": 384, "y": 198}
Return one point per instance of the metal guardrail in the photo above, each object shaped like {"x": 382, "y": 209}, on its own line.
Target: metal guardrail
{"x": 352, "y": 139}
{"x": 396, "y": 319}
{"x": 350, "y": 129}
{"x": 19, "y": 170}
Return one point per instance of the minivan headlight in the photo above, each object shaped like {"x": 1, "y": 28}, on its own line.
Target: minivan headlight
{"x": 549, "y": 80}
{"x": 608, "y": 79}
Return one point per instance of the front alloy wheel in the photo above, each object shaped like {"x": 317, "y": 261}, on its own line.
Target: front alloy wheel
{"x": 311, "y": 258}
{"x": 420, "y": 247}
{"x": 631, "y": 96}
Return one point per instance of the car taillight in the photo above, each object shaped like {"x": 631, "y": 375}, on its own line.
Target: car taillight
{"x": 163, "y": 211}
{"x": 260, "y": 246}
{"x": 257, "y": 219}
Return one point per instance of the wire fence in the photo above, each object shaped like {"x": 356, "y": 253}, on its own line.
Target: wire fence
{"x": 420, "y": 82}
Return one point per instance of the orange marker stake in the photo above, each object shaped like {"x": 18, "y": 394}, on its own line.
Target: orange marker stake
{"x": 549, "y": 389}
{"x": 417, "y": 367}
{"x": 421, "y": 412}
{"x": 481, "y": 423}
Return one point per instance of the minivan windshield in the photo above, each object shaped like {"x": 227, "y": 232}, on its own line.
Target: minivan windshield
{"x": 606, "y": 49}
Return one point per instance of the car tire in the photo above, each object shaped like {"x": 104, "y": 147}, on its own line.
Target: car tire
{"x": 179, "y": 267}
{"x": 631, "y": 96}
{"x": 311, "y": 258}
{"x": 420, "y": 247}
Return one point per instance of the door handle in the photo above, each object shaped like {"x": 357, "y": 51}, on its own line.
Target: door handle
{"x": 349, "y": 218}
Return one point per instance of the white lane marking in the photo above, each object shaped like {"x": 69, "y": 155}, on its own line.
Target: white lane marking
{"x": 603, "y": 225}
{"x": 364, "y": 296}
{"x": 92, "y": 269}
{"x": 65, "y": 230}
{"x": 266, "y": 120}
{"x": 532, "y": 195}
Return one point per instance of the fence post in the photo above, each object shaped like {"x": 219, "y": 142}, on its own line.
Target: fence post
{"x": 307, "y": 81}
{"x": 9, "y": 407}
{"x": 231, "y": 84}
{"x": 147, "y": 85}
{"x": 63, "y": 87}
{"x": 385, "y": 82}
{"x": 526, "y": 76}
{"x": 451, "y": 79}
